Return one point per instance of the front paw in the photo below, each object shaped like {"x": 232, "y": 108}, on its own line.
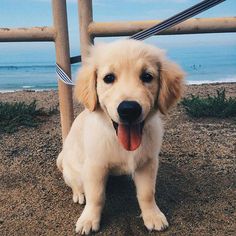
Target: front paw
{"x": 154, "y": 219}
{"x": 89, "y": 221}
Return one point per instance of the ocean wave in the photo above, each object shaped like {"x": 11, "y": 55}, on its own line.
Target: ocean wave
{"x": 26, "y": 67}
{"x": 28, "y": 86}
{"x": 32, "y": 67}
{"x": 31, "y": 90}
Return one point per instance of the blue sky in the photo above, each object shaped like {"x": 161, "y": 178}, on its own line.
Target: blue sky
{"x": 28, "y": 13}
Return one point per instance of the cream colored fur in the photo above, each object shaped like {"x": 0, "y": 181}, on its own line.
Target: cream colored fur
{"x": 91, "y": 150}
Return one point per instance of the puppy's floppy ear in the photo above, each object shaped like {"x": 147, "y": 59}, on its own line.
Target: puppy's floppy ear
{"x": 171, "y": 85}
{"x": 85, "y": 88}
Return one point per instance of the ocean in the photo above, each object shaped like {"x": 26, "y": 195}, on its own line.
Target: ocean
{"x": 203, "y": 64}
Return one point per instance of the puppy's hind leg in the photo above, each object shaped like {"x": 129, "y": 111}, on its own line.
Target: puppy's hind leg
{"x": 59, "y": 161}
{"x": 78, "y": 194}
{"x": 73, "y": 180}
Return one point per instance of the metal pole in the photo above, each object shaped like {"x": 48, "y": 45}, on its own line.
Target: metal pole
{"x": 85, "y": 18}
{"x": 63, "y": 59}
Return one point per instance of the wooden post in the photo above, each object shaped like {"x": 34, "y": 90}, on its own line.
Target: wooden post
{"x": 63, "y": 60}
{"x": 85, "y": 18}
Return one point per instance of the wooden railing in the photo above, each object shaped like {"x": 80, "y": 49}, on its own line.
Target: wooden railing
{"x": 89, "y": 29}
{"x": 58, "y": 34}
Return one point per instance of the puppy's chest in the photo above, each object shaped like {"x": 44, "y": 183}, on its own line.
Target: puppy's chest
{"x": 126, "y": 163}
{"x": 107, "y": 149}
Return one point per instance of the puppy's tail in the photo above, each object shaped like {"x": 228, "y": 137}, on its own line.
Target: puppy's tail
{"x": 59, "y": 162}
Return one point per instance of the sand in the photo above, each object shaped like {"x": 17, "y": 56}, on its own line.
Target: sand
{"x": 195, "y": 184}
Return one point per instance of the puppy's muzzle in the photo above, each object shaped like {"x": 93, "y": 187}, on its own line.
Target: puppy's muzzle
{"x": 129, "y": 129}
{"x": 129, "y": 111}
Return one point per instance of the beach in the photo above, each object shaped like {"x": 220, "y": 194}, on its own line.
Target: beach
{"x": 195, "y": 183}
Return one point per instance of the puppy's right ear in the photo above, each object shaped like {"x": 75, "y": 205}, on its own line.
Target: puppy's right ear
{"x": 172, "y": 85}
{"x": 85, "y": 88}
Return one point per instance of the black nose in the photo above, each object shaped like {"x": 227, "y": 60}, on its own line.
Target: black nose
{"x": 129, "y": 111}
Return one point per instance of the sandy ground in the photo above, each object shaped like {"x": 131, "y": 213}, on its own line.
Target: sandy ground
{"x": 195, "y": 185}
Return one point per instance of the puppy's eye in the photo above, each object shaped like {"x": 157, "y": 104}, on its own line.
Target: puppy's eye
{"x": 109, "y": 79}
{"x": 146, "y": 77}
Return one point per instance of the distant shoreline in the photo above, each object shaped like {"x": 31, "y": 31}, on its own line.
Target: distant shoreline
{"x": 56, "y": 89}
{"x": 28, "y": 90}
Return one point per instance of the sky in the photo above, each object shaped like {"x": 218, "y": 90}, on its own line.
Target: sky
{"x": 29, "y": 13}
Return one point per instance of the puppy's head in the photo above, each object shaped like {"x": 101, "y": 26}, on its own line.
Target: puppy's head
{"x": 128, "y": 80}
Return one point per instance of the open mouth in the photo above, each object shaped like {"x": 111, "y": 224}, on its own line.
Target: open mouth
{"x": 129, "y": 135}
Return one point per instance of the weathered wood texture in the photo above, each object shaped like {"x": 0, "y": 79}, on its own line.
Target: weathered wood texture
{"x": 85, "y": 19}
{"x": 27, "y": 34}
{"x": 192, "y": 26}
{"x": 63, "y": 60}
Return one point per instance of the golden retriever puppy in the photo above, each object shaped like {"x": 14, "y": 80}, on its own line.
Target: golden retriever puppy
{"x": 124, "y": 86}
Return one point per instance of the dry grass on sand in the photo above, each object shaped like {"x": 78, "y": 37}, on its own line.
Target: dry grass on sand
{"x": 195, "y": 187}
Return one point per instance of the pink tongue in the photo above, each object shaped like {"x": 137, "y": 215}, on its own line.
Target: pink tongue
{"x": 129, "y": 136}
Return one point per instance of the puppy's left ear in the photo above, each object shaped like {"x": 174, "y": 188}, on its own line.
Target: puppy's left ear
{"x": 85, "y": 88}
{"x": 171, "y": 85}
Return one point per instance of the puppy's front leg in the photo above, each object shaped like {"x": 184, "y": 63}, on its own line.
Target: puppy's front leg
{"x": 94, "y": 180}
{"x": 145, "y": 181}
